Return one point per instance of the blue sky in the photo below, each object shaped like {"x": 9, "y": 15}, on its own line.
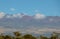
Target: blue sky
{"x": 31, "y": 7}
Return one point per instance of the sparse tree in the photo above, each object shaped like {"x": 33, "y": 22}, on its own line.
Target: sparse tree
{"x": 17, "y": 35}
{"x": 2, "y": 36}
{"x": 8, "y": 37}
{"x": 43, "y": 37}
{"x": 29, "y": 36}
{"x": 54, "y": 36}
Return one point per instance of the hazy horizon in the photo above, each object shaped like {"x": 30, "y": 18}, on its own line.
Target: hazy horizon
{"x": 32, "y": 16}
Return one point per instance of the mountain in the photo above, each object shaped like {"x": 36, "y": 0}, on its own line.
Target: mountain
{"x": 29, "y": 24}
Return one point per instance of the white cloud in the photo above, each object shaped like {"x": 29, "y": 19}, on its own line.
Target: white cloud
{"x": 17, "y": 15}
{"x": 39, "y": 16}
{"x": 2, "y": 14}
{"x": 20, "y": 15}
{"x": 12, "y": 9}
{"x": 8, "y": 16}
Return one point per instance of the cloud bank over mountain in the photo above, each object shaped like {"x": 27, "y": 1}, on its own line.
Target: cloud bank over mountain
{"x": 38, "y": 23}
{"x": 20, "y": 15}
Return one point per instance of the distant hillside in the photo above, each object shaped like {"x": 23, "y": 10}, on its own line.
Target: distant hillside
{"x": 30, "y": 24}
